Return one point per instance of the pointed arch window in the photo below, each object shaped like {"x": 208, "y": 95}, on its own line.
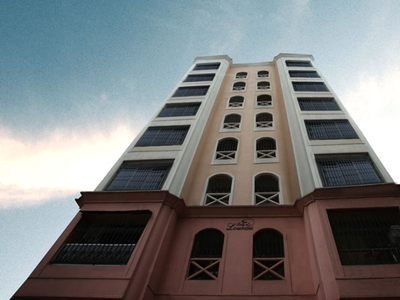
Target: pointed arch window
{"x": 219, "y": 190}
{"x": 236, "y": 102}
{"x": 266, "y": 190}
{"x": 241, "y": 75}
{"x": 263, "y": 74}
{"x": 264, "y": 101}
{"x": 263, "y": 85}
{"x": 232, "y": 122}
{"x": 268, "y": 255}
{"x": 239, "y": 86}
{"x": 206, "y": 255}
{"x": 264, "y": 121}
{"x": 266, "y": 149}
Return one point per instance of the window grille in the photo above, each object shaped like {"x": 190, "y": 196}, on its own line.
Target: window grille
{"x": 330, "y": 129}
{"x": 369, "y": 236}
{"x": 103, "y": 238}
{"x": 304, "y": 74}
{"x": 241, "y": 75}
{"x": 206, "y": 255}
{"x": 226, "y": 149}
{"x": 201, "y": 67}
{"x": 266, "y": 148}
{"x": 239, "y": 86}
{"x": 264, "y": 100}
{"x": 347, "y": 169}
{"x": 263, "y": 74}
{"x": 236, "y": 101}
{"x": 266, "y": 190}
{"x": 141, "y": 175}
{"x": 190, "y": 91}
{"x": 310, "y": 87}
{"x": 268, "y": 255}
{"x": 298, "y": 63}
{"x": 179, "y": 110}
{"x": 163, "y": 136}
{"x": 232, "y": 121}
{"x": 263, "y": 85}
{"x": 199, "y": 77}
{"x": 309, "y": 104}
{"x": 264, "y": 120}
{"x": 218, "y": 190}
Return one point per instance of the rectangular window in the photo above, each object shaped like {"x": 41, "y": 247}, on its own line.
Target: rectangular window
{"x": 199, "y": 77}
{"x": 179, "y": 110}
{"x": 201, "y": 67}
{"x": 347, "y": 169}
{"x": 369, "y": 236}
{"x": 330, "y": 129}
{"x": 298, "y": 63}
{"x": 103, "y": 238}
{"x": 310, "y": 87}
{"x": 309, "y": 104}
{"x": 189, "y": 91}
{"x": 141, "y": 175}
{"x": 304, "y": 74}
{"x": 163, "y": 136}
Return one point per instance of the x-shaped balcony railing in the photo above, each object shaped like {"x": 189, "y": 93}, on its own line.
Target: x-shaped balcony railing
{"x": 264, "y": 103}
{"x": 217, "y": 199}
{"x": 231, "y": 125}
{"x": 267, "y": 198}
{"x": 235, "y": 104}
{"x": 266, "y": 153}
{"x": 204, "y": 266}
{"x": 225, "y": 155}
{"x": 238, "y": 88}
{"x": 271, "y": 271}
{"x": 264, "y": 124}
{"x": 263, "y": 87}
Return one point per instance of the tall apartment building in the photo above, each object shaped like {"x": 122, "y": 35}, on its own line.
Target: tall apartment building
{"x": 251, "y": 181}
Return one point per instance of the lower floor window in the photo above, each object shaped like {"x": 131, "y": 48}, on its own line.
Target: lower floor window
{"x": 104, "y": 238}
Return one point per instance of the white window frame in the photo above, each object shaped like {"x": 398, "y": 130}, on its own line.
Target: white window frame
{"x": 239, "y": 128}
{"x": 280, "y": 193}
{"x": 264, "y": 128}
{"x": 203, "y": 201}
{"x": 269, "y": 74}
{"x": 263, "y": 89}
{"x": 266, "y": 107}
{"x": 232, "y": 161}
{"x": 240, "y": 78}
{"x": 236, "y": 107}
{"x": 267, "y": 159}
{"x": 238, "y": 89}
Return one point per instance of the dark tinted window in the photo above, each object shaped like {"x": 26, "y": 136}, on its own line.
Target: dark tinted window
{"x": 308, "y": 104}
{"x": 199, "y": 77}
{"x": 298, "y": 63}
{"x": 330, "y": 129}
{"x": 310, "y": 87}
{"x": 200, "y": 67}
{"x": 178, "y": 110}
{"x": 163, "y": 136}
{"x": 304, "y": 74}
{"x": 191, "y": 91}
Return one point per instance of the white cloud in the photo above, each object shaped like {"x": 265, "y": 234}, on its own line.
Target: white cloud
{"x": 374, "y": 104}
{"x": 59, "y": 165}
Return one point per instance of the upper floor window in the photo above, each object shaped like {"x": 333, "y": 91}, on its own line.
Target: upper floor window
{"x": 227, "y": 150}
{"x": 263, "y": 74}
{"x": 179, "y": 110}
{"x": 266, "y": 149}
{"x": 163, "y": 136}
{"x": 304, "y": 74}
{"x": 263, "y": 85}
{"x": 199, "y": 77}
{"x": 103, "y": 238}
{"x": 141, "y": 175}
{"x": 347, "y": 169}
{"x": 232, "y": 122}
{"x": 310, "y": 104}
{"x": 239, "y": 86}
{"x": 236, "y": 102}
{"x": 191, "y": 91}
{"x": 264, "y": 101}
{"x": 241, "y": 75}
{"x": 219, "y": 190}
{"x": 266, "y": 190}
{"x": 367, "y": 236}
{"x": 268, "y": 255}
{"x": 310, "y": 87}
{"x": 206, "y": 255}
{"x": 330, "y": 129}
{"x": 211, "y": 66}
{"x": 264, "y": 121}
{"x": 298, "y": 63}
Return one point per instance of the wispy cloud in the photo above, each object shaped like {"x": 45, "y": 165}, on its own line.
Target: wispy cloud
{"x": 59, "y": 165}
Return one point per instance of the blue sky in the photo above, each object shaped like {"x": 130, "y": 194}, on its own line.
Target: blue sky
{"x": 78, "y": 80}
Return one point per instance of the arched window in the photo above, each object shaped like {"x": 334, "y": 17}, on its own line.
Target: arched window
{"x": 266, "y": 190}
{"x": 219, "y": 190}
{"x": 236, "y": 102}
{"x": 206, "y": 255}
{"x": 266, "y": 148}
{"x": 263, "y": 74}
{"x": 226, "y": 149}
{"x": 264, "y": 121}
{"x": 239, "y": 86}
{"x": 264, "y": 101}
{"x": 263, "y": 85}
{"x": 232, "y": 122}
{"x": 268, "y": 255}
{"x": 241, "y": 75}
